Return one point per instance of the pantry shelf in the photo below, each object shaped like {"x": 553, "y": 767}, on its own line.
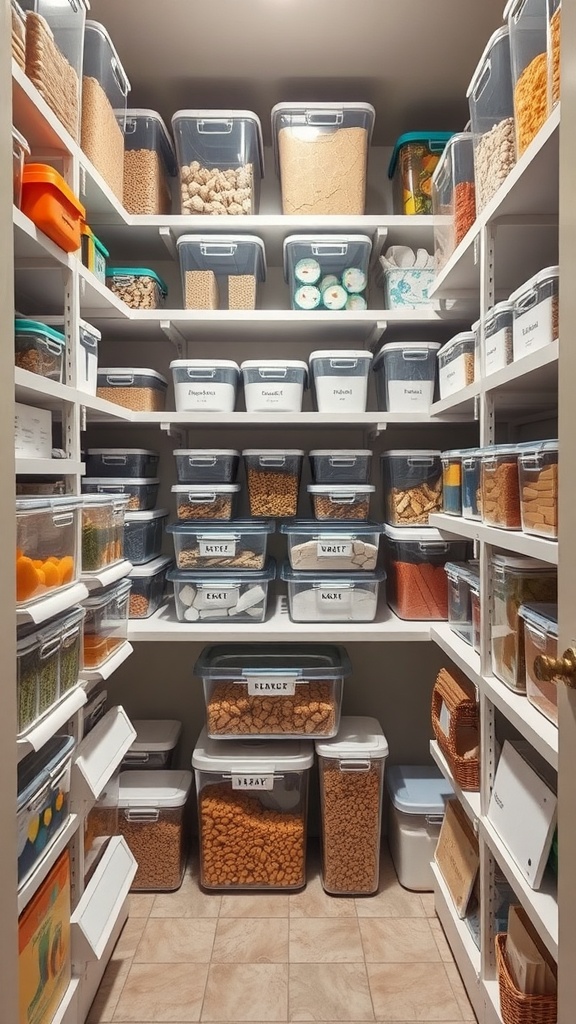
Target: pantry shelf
{"x": 534, "y": 727}
{"x": 461, "y": 653}
{"x": 48, "y": 607}
{"x": 67, "y": 1012}
{"x": 526, "y": 383}
{"x": 26, "y": 892}
{"x": 34, "y": 118}
{"x": 469, "y": 801}
{"x": 111, "y": 574}
{"x": 49, "y": 726}
{"x": 31, "y": 245}
{"x": 463, "y": 402}
{"x": 371, "y": 421}
{"x": 492, "y": 1006}
{"x": 33, "y": 389}
{"x": 466, "y": 952}
{"x": 98, "y": 675}
{"x": 49, "y": 467}
{"x": 508, "y": 540}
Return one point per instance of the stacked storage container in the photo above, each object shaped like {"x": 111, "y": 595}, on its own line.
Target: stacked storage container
{"x": 54, "y": 54}
{"x": 491, "y": 104}
{"x": 105, "y": 89}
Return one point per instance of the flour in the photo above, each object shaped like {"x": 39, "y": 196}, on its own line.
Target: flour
{"x": 330, "y": 602}
{"x": 323, "y": 173}
{"x": 333, "y": 553}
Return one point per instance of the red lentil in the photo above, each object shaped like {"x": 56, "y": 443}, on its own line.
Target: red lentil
{"x": 419, "y": 591}
{"x": 464, "y": 209}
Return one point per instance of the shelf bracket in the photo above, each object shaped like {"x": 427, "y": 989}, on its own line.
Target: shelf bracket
{"x": 376, "y": 430}
{"x": 177, "y": 433}
{"x": 375, "y": 336}
{"x": 169, "y": 241}
{"x": 378, "y": 238}
{"x": 174, "y": 336}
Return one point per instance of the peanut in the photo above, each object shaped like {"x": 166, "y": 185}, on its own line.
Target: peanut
{"x": 350, "y": 827}
{"x": 311, "y": 711}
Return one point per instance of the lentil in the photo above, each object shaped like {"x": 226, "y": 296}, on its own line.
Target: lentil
{"x": 412, "y": 507}
{"x": 230, "y": 711}
{"x": 272, "y": 493}
{"x": 55, "y": 79}
{"x": 418, "y": 591}
{"x": 241, "y": 291}
{"x": 219, "y": 508}
{"x": 555, "y": 47}
{"x": 39, "y": 360}
{"x": 201, "y": 290}
{"x": 140, "y": 292}
{"x": 102, "y": 137}
{"x": 326, "y": 508}
{"x": 138, "y": 399}
{"x": 464, "y": 209}
{"x": 327, "y": 175}
{"x": 495, "y": 156}
{"x": 212, "y": 191}
{"x": 501, "y": 494}
{"x": 350, "y": 827}
{"x": 159, "y": 847}
{"x": 531, "y": 101}
{"x": 145, "y": 187}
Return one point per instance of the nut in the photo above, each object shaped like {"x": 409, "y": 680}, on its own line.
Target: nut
{"x": 350, "y": 827}
{"x": 213, "y": 191}
{"x": 137, "y": 292}
{"x": 230, "y": 711}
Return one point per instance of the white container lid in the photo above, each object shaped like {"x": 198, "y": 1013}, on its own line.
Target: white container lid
{"x": 341, "y": 452}
{"x": 405, "y": 346}
{"x": 515, "y": 562}
{"x": 219, "y": 364}
{"x": 341, "y": 490}
{"x": 548, "y": 274}
{"x": 425, "y": 534}
{"x": 115, "y": 62}
{"x": 150, "y": 568}
{"x": 246, "y": 755}
{"x": 121, "y": 481}
{"x": 205, "y": 451}
{"x": 131, "y": 371}
{"x": 458, "y": 339}
{"x": 122, "y": 451}
{"x": 154, "y": 789}
{"x": 494, "y": 38}
{"x": 144, "y": 517}
{"x": 358, "y": 737}
{"x": 273, "y": 451}
{"x": 227, "y": 115}
{"x": 257, "y": 364}
{"x": 419, "y": 789}
{"x": 414, "y": 453}
{"x": 302, "y": 108}
{"x": 155, "y": 735}
{"x": 333, "y": 353}
{"x": 205, "y": 488}
{"x": 500, "y": 307}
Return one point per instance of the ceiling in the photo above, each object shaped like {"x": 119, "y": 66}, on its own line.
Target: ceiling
{"x": 412, "y": 59}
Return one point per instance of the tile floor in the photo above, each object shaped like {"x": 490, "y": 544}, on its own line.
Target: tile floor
{"x": 188, "y": 956}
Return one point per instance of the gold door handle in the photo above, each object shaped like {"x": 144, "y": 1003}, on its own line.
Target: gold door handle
{"x": 560, "y": 669}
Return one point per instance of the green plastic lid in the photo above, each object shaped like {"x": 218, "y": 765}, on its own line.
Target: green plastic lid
{"x": 434, "y": 140}
{"x": 35, "y": 327}
{"x": 137, "y": 272}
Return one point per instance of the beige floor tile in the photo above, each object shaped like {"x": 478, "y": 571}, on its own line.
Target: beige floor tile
{"x": 254, "y": 905}
{"x": 391, "y": 901}
{"x": 325, "y": 940}
{"x": 246, "y": 992}
{"x": 251, "y": 940}
{"x": 107, "y": 996}
{"x": 189, "y": 901}
{"x": 141, "y": 904}
{"x": 460, "y": 992}
{"x": 428, "y": 903}
{"x": 412, "y": 992}
{"x": 441, "y": 940}
{"x": 162, "y": 993}
{"x": 169, "y": 941}
{"x": 329, "y": 992}
{"x": 130, "y": 936}
{"x": 314, "y": 902}
{"x": 398, "y": 940}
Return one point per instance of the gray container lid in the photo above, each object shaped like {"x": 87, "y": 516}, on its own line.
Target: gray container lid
{"x": 248, "y": 755}
{"x": 418, "y": 789}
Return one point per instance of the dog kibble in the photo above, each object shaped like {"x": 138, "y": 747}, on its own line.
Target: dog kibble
{"x": 201, "y": 290}
{"x": 137, "y": 292}
{"x": 272, "y": 493}
{"x": 146, "y": 189}
{"x": 495, "y": 157}
{"x": 230, "y": 711}
{"x": 102, "y": 138}
{"x": 210, "y": 191}
{"x": 137, "y": 399}
{"x": 159, "y": 848}
{"x": 350, "y": 827}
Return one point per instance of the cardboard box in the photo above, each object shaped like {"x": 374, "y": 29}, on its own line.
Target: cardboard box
{"x": 457, "y": 855}
{"x": 44, "y": 965}
{"x": 32, "y": 432}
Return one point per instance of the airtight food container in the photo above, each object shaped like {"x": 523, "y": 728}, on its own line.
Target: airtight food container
{"x": 18, "y": 34}
{"x": 105, "y": 89}
{"x": 149, "y": 163}
{"x": 340, "y": 379}
{"x": 500, "y": 488}
{"x": 43, "y": 800}
{"x": 337, "y": 596}
{"x": 471, "y": 489}
{"x": 205, "y": 385}
{"x": 453, "y": 196}
{"x": 351, "y": 773}
{"x": 452, "y": 482}
{"x": 498, "y": 333}
{"x": 123, "y": 462}
{"x": 106, "y": 623}
{"x": 413, "y": 161}
{"x": 456, "y": 363}
{"x": 136, "y": 388}
{"x": 48, "y": 660}
{"x": 491, "y": 105}
{"x": 221, "y": 271}
{"x": 39, "y": 349}
{"x": 54, "y": 44}
{"x": 47, "y": 556}
{"x": 536, "y": 313}
{"x": 151, "y": 818}
{"x": 148, "y": 586}
{"x": 538, "y": 480}
{"x": 138, "y": 287}
{"x": 87, "y": 344}
{"x": 515, "y": 581}
{"x": 222, "y": 595}
{"x": 418, "y": 796}
{"x": 206, "y": 501}
{"x": 406, "y": 376}
{"x": 331, "y": 547}
{"x": 206, "y": 465}
{"x": 51, "y": 204}
{"x": 273, "y": 476}
{"x": 241, "y": 544}
{"x": 274, "y": 385}
{"x": 155, "y": 744}
{"x": 462, "y": 576}
{"x": 102, "y": 530}
{"x": 340, "y": 466}
{"x": 143, "y": 535}
{"x": 327, "y": 271}
{"x": 417, "y": 585}
{"x": 141, "y": 492}
{"x": 20, "y": 149}
{"x": 540, "y": 639}
{"x": 343, "y": 501}
{"x": 412, "y": 485}
{"x": 528, "y": 23}
{"x": 94, "y": 253}
{"x": 321, "y": 156}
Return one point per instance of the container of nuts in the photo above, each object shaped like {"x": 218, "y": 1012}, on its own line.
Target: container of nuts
{"x": 142, "y": 493}
{"x": 208, "y": 545}
{"x": 148, "y": 585}
{"x": 136, "y": 388}
{"x": 138, "y": 287}
{"x": 412, "y": 486}
{"x": 149, "y": 163}
{"x": 500, "y": 488}
{"x": 39, "y": 348}
{"x": 491, "y": 105}
{"x": 273, "y": 480}
{"x": 151, "y": 819}
{"x": 222, "y": 595}
{"x": 206, "y": 501}
{"x": 221, "y": 271}
{"x": 538, "y": 479}
{"x": 535, "y": 313}
{"x": 456, "y": 363}
{"x": 345, "y": 501}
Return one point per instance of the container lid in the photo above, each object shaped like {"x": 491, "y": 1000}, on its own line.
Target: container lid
{"x": 316, "y": 528}
{"x": 119, "y": 73}
{"x": 337, "y": 576}
{"x": 37, "y": 769}
{"x": 279, "y": 452}
{"x": 263, "y": 756}
{"x": 20, "y": 140}
{"x": 133, "y": 113}
{"x": 120, "y": 481}
{"x": 322, "y": 240}
{"x": 131, "y": 371}
{"x": 418, "y": 789}
{"x": 340, "y": 452}
{"x": 88, "y": 233}
{"x": 500, "y": 33}
{"x": 154, "y": 735}
{"x": 537, "y": 447}
{"x": 471, "y": 453}
{"x": 123, "y": 451}
{"x": 414, "y": 453}
{"x": 463, "y": 570}
{"x": 291, "y": 364}
{"x": 222, "y": 529}
{"x": 226, "y": 115}
{"x": 105, "y": 499}
{"x": 405, "y": 346}
{"x": 500, "y": 307}
{"x": 153, "y": 568}
{"x": 85, "y": 327}
{"x": 358, "y": 737}
{"x": 34, "y": 326}
{"x": 206, "y": 451}
{"x": 333, "y": 353}
{"x": 306, "y": 661}
{"x": 454, "y": 140}
{"x": 205, "y": 488}
{"x": 435, "y": 140}
{"x": 238, "y": 240}
{"x": 224, "y": 575}
{"x": 458, "y": 339}
{"x": 548, "y": 274}
{"x": 542, "y": 615}
{"x": 43, "y": 174}
{"x": 495, "y": 450}
{"x": 138, "y": 272}
{"x": 517, "y": 563}
{"x": 341, "y": 490}
{"x": 312, "y": 109}
{"x": 219, "y": 364}
{"x": 423, "y": 534}
{"x": 114, "y": 591}
{"x": 144, "y": 517}
{"x": 455, "y": 453}
{"x": 60, "y": 504}
{"x": 154, "y": 789}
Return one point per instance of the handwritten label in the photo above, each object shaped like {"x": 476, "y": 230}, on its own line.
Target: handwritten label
{"x": 262, "y": 782}
{"x": 217, "y": 546}
{"x": 328, "y": 597}
{"x": 217, "y": 597}
{"x": 533, "y": 329}
{"x": 334, "y": 549}
{"x": 271, "y": 686}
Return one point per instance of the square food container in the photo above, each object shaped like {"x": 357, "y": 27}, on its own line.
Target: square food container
{"x": 151, "y": 818}
{"x": 138, "y": 287}
{"x": 453, "y": 196}
{"x": 418, "y": 796}
{"x": 206, "y": 501}
{"x": 340, "y": 466}
{"x": 536, "y": 313}
{"x": 51, "y": 204}
{"x": 408, "y": 287}
{"x": 143, "y": 535}
{"x": 155, "y": 744}
{"x": 87, "y": 344}
{"x": 333, "y": 596}
{"x": 491, "y": 106}
{"x": 538, "y": 480}
{"x": 412, "y": 164}
{"x": 122, "y": 462}
{"x": 554, "y": 12}
{"x": 241, "y": 544}
{"x": 498, "y": 332}
{"x": 412, "y": 486}
{"x": 141, "y": 492}
{"x": 462, "y": 576}
{"x": 340, "y": 379}
{"x": 452, "y": 482}
{"x": 274, "y": 385}
{"x": 280, "y": 690}
{"x": 40, "y": 349}
{"x": 221, "y": 271}
{"x": 345, "y": 501}
{"x": 149, "y": 163}
{"x": 48, "y": 662}
{"x": 222, "y": 595}
{"x": 528, "y": 23}
{"x": 263, "y": 790}
{"x": 351, "y": 770}
{"x": 136, "y": 388}
{"x": 148, "y": 586}
{"x": 406, "y": 376}
{"x": 471, "y": 477}
{"x": 456, "y": 363}
{"x": 54, "y": 46}
{"x": 321, "y": 156}
{"x": 106, "y": 623}
{"x": 46, "y": 546}
{"x": 273, "y": 477}
{"x": 332, "y": 547}
{"x": 42, "y": 804}
{"x": 540, "y": 639}
{"x": 515, "y": 581}
{"x": 206, "y": 465}
{"x": 205, "y": 385}
{"x": 327, "y": 271}
{"x": 500, "y": 488}
{"x": 105, "y": 89}
{"x": 102, "y": 820}
{"x": 20, "y": 150}
{"x": 102, "y": 531}
{"x": 417, "y": 585}
{"x": 94, "y": 253}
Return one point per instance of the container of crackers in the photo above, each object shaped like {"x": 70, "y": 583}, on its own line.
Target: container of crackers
{"x": 412, "y": 486}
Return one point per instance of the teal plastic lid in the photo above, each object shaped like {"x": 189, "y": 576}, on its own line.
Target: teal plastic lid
{"x": 138, "y": 272}
{"x": 434, "y": 140}
{"x": 35, "y": 327}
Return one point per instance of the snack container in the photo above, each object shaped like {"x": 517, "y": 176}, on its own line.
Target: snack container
{"x": 275, "y": 385}
{"x": 471, "y": 478}
{"x": 122, "y": 462}
{"x": 102, "y": 820}
{"x": 136, "y": 388}
{"x": 206, "y": 465}
{"x": 151, "y": 818}
{"x": 148, "y": 585}
{"x": 554, "y": 12}
{"x": 340, "y": 380}
{"x": 498, "y": 334}
{"x": 408, "y": 287}
{"x": 149, "y": 163}
{"x": 461, "y": 577}
{"x": 406, "y": 376}
{"x": 331, "y": 547}
{"x": 46, "y": 546}
{"x": 536, "y": 313}
{"x": 417, "y": 585}
{"x": 412, "y": 164}
{"x": 205, "y": 385}
{"x": 327, "y": 272}
{"x": 53, "y": 58}
{"x": 453, "y": 196}
{"x": 50, "y": 203}
{"x": 263, "y": 790}
{"x": 456, "y": 363}
{"x": 221, "y": 271}
{"x": 345, "y": 501}
{"x": 46, "y": 915}
{"x": 222, "y": 595}
{"x": 528, "y": 23}
{"x": 273, "y": 477}
{"x": 499, "y": 485}
{"x": 143, "y": 533}
{"x": 206, "y": 501}
{"x": 102, "y": 531}
{"x": 412, "y": 486}
{"x": 491, "y": 106}
{"x": 337, "y": 596}
{"x": 418, "y": 796}
{"x": 94, "y": 253}
{"x": 105, "y": 89}
{"x": 540, "y": 639}
{"x": 515, "y": 581}
{"x": 106, "y": 623}
{"x": 20, "y": 150}
{"x": 340, "y": 466}
{"x": 48, "y": 660}
{"x": 241, "y": 544}
{"x": 42, "y": 803}
{"x": 155, "y": 745}
{"x": 39, "y": 349}
{"x": 138, "y": 287}
{"x": 452, "y": 482}
{"x": 538, "y": 480}
{"x": 141, "y": 493}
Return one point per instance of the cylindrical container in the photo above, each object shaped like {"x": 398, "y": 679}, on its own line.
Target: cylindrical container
{"x": 471, "y": 488}
{"x": 456, "y": 363}
{"x": 105, "y": 89}
{"x": 417, "y": 585}
{"x": 452, "y": 482}
{"x": 340, "y": 380}
{"x": 106, "y": 623}
{"x": 406, "y": 376}
{"x": 205, "y": 385}
{"x": 46, "y": 546}
{"x": 141, "y": 493}
{"x": 206, "y": 465}
{"x": 274, "y": 385}
{"x": 222, "y": 595}
{"x": 541, "y": 640}
{"x": 340, "y": 466}
{"x": 491, "y": 104}
{"x": 332, "y": 547}
{"x": 151, "y": 819}
{"x": 241, "y": 544}
{"x": 136, "y": 388}
{"x": 413, "y": 161}
{"x": 351, "y": 769}
{"x": 148, "y": 586}
{"x": 337, "y": 596}
{"x": 498, "y": 332}
{"x": 538, "y": 480}
{"x": 102, "y": 531}
{"x": 54, "y": 45}
{"x": 346, "y": 501}
{"x": 461, "y": 577}
{"x": 138, "y": 287}
{"x": 515, "y": 581}
{"x": 554, "y": 18}
{"x": 39, "y": 349}
{"x": 149, "y": 163}
{"x": 327, "y": 272}
{"x": 453, "y": 196}
{"x": 20, "y": 149}
{"x": 206, "y": 501}
{"x": 527, "y": 23}
{"x": 273, "y": 477}
{"x": 500, "y": 488}
{"x": 418, "y": 797}
{"x": 221, "y": 271}
{"x": 123, "y": 462}
{"x": 155, "y": 744}
{"x": 252, "y": 804}
{"x": 536, "y": 312}
{"x": 412, "y": 486}
{"x": 143, "y": 535}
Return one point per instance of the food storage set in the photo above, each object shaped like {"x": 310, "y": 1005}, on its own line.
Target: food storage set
{"x": 105, "y": 623}
{"x": 48, "y": 664}
{"x": 515, "y": 581}
{"x": 453, "y": 196}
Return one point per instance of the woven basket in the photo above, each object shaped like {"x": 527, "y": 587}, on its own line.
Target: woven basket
{"x": 518, "y": 1007}
{"x": 457, "y": 694}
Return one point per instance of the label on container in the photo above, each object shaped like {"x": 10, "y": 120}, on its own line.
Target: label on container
{"x": 221, "y": 546}
{"x": 444, "y": 718}
{"x": 217, "y": 597}
{"x": 410, "y": 395}
{"x": 533, "y": 329}
{"x": 497, "y": 351}
{"x": 333, "y": 598}
{"x": 341, "y": 394}
{"x": 264, "y": 782}
{"x": 452, "y": 376}
{"x": 334, "y": 548}
{"x": 273, "y": 394}
{"x": 271, "y": 686}
{"x": 210, "y": 397}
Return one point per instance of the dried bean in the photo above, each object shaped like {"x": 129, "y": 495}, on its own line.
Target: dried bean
{"x": 102, "y": 138}
{"x": 531, "y": 101}
{"x": 146, "y": 189}
{"x": 350, "y": 827}
{"x": 160, "y": 849}
{"x": 230, "y": 711}
{"x": 272, "y": 493}
{"x": 494, "y": 157}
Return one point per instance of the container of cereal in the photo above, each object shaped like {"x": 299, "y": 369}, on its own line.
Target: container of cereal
{"x": 208, "y": 545}
{"x": 344, "y": 501}
{"x": 138, "y": 287}
{"x": 491, "y": 105}
{"x": 149, "y": 163}
{"x": 123, "y": 462}
{"x": 515, "y": 581}
{"x": 206, "y": 501}
{"x": 105, "y": 89}
{"x": 141, "y": 492}
{"x": 274, "y": 385}
{"x": 471, "y": 488}
{"x": 412, "y": 164}
{"x": 106, "y": 623}
{"x": 205, "y": 385}
{"x": 143, "y": 535}
{"x": 42, "y": 803}
{"x": 151, "y": 819}
{"x": 406, "y": 376}
{"x": 221, "y": 271}
{"x": 102, "y": 530}
{"x": 327, "y": 271}
{"x": 536, "y": 313}
{"x": 248, "y": 796}
{"x": 500, "y": 488}
{"x": 273, "y": 476}
{"x": 333, "y": 596}
{"x": 40, "y": 349}
{"x": 351, "y": 770}
{"x": 527, "y": 23}
{"x": 139, "y": 389}
{"x": 340, "y": 466}
{"x": 417, "y": 585}
{"x": 540, "y": 640}
{"x": 332, "y": 547}
{"x": 453, "y": 196}
{"x": 155, "y": 744}
{"x": 412, "y": 486}
{"x": 452, "y": 482}
{"x": 340, "y": 379}
{"x": 222, "y": 595}
{"x": 54, "y": 44}
{"x": 462, "y": 576}
{"x": 46, "y": 546}
{"x": 498, "y": 345}
{"x": 20, "y": 150}
{"x": 538, "y": 479}
{"x": 206, "y": 465}
{"x": 148, "y": 586}
{"x": 456, "y": 363}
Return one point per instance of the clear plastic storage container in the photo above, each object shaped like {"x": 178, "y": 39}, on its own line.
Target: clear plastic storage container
{"x": 42, "y": 801}
{"x": 498, "y": 332}
{"x": 87, "y": 343}
{"x": 122, "y": 462}
{"x": 491, "y": 104}
{"x": 206, "y": 501}
{"x": 406, "y": 376}
{"x": 47, "y": 556}
{"x": 515, "y": 581}
{"x": 351, "y": 769}
{"x": 136, "y": 388}
{"x": 40, "y": 349}
{"x": 554, "y": 11}
{"x": 412, "y": 164}
{"x": 418, "y": 797}
{"x": 340, "y": 466}
{"x": 106, "y": 623}
{"x": 149, "y": 163}
{"x": 453, "y": 196}
{"x": 500, "y": 488}
{"x": 332, "y": 547}
{"x": 538, "y": 479}
{"x": 102, "y": 531}
{"x": 18, "y": 34}
{"x": 20, "y": 150}
{"x": 221, "y": 271}
{"x": 143, "y": 535}
{"x": 327, "y": 272}
{"x": 417, "y": 586}
{"x": 152, "y": 820}
{"x": 141, "y": 493}
{"x": 462, "y": 576}
{"x": 205, "y": 385}
{"x": 456, "y": 363}
{"x": 527, "y": 23}
{"x": 321, "y": 156}
{"x": 48, "y": 660}
{"x": 273, "y": 477}
{"x": 105, "y": 89}
{"x": 94, "y": 710}
{"x": 148, "y": 586}
{"x": 241, "y": 544}
{"x": 340, "y": 379}
{"x": 452, "y": 482}
{"x": 274, "y": 385}
{"x": 541, "y": 639}
{"x": 94, "y": 253}
{"x": 155, "y": 745}
{"x": 206, "y": 465}
{"x": 344, "y": 501}
{"x": 336, "y": 596}
{"x": 263, "y": 791}
{"x": 412, "y": 486}
{"x": 101, "y": 822}
{"x": 471, "y": 483}
{"x": 138, "y": 287}
{"x": 54, "y": 45}
{"x": 536, "y": 313}
{"x": 238, "y": 595}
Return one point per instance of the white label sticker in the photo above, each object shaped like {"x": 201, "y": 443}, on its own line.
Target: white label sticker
{"x": 452, "y": 377}
{"x": 444, "y": 719}
{"x": 410, "y": 395}
{"x": 334, "y": 548}
{"x": 217, "y": 597}
{"x": 333, "y": 597}
{"x": 210, "y": 397}
{"x": 264, "y": 782}
{"x": 343, "y": 392}
{"x": 274, "y": 395}
{"x": 225, "y": 546}
{"x": 272, "y": 686}
{"x": 533, "y": 329}
{"x": 496, "y": 351}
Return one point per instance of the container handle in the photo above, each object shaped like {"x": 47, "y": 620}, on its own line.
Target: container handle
{"x": 143, "y": 758}
{"x": 214, "y": 249}
{"x": 342, "y": 460}
{"x": 278, "y": 373}
{"x": 121, "y": 80}
{"x": 434, "y": 819}
{"x": 130, "y": 126}
{"x": 49, "y": 648}
{"x": 319, "y": 249}
{"x": 530, "y": 462}
{"x": 483, "y": 80}
{"x": 415, "y": 354}
{"x": 222, "y": 127}
{"x": 201, "y": 460}
{"x": 342, "y": 499}
{"x": 53, "y": 347}
{"x": 110, "y": 489}
{"x": 203, "y": 498}
{"x": 526, "y": 301}
{"x": 272, "y": 460}
{"x": 201, "y": 373}
{"x": 326, "y": 584}
{"x": 435, "y": 547}
{"x": 420, "y": 462}
{"x": 120, "y": 379}
{"x": 322, "y": 118}
{"x": 355, "y": 766}
{"x": 343, "y": 364}
{"x": 114, "y": 460}
{"x": 61, "y": 519}
{"x": 142, "y": 814}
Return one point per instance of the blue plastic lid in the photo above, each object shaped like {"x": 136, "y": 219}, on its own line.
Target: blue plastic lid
{"x": 418, "y": 789}
{"x": 434, "y": 140}
{"x": 35, "y": 327}
{"x": 138, "y": 272}
{"x": 36, "y": 769}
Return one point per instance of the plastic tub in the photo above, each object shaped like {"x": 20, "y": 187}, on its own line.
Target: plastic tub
{"x": 498, "y": 332}
{"x": 40, "y": 349}
{"x": 149, "y": 163}
{"x": 94, "y": 710}
{"x": 50, "y": 203}
{"x": 406, "y": 376}
{"x": 274, "y": 385}
{"x": 263, "y": 790}
{"x": 87, "y": 343}
{"x": 461, "y": 577}
{"x": 143, "y": 533}
{"x": 136, "y": 388}
{"x": 46, "y": 546}
{"x": 152, "y": 821}
{"x": 221, "y": 271}
{"x": 138, "y": 287}
{"x": 351, "y": 769}
{"x": 327, "y": 271}
{"x": 105, "y": 89}
{"x": 220, "y": 152}
{"x": 148, "y": 585}
{"x": 471, "y": 487}
{"x": 102, "y": 820}
{"x": 340, "y": 379}
{"x": 205, "y": 385}
{"x": 332, "y": 547}
{"x": 346, "y": 501}
{"x": 209, "y": 545}
{"x": 418, "y": 797}
{"x": 42, "y": 803}
{"x": 500, "y": 488}
{"x": 155, "y": 744}
{"x": 206, "y": 501}
{"x": 18, "y": 34}
{"x": 408, "y": 287}
{"x": 48, "y": 665}
{"x": 321, "y": 156}
{"x": 340, "y": 466}
{"x": 453, "y": 196}
{"x": 412, "y": 486}
{"x": 123, "y": 462}
{"x": 456, "y": 363}
{"x": 540, "y": 639}
{"x": 417, "y": 582}
{"x": 538, "y": 480}
{"x": 106, "y": 623}
{"x": 54, "y": 45}
{"x": 20, "y": 150}
{"x": 515, "y": 581}
{"x": 452, "y": 482}
{"x": 102, "y": 531}
{"x": 413, "y": 161}
{"x": 336, "y": 596}
{"x": 206, "y": 465}
{"x": 94, "y": 253}
{"x": 536, "y": 313}
{"x": 236, "y": 595}
{"x": 491, "y": 105}
{"x": 142, "y": 493}
{"x": 527, "y": 23}
{"x": 554, "y": 13}
{"x": 273, "y": 477}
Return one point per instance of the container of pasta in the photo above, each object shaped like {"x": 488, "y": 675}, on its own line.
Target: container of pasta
{"x": 515, "y": 581}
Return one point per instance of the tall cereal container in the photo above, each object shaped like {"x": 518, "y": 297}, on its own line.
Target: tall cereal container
{"x": 105, "y": 88}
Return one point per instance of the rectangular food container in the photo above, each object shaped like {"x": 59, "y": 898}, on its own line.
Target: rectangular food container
{"x": 528, "y": 23}
{"x": 122, "y": 462}
{"x": 94, "y": 710}
{"x": 412, "y": 164}
{"x": 336, "y": 596}
{"x": 20, "y": 150}
{"x": 48, "y": 661}
{"x": 54, "y": 45}
{"x": 106, "y": 623}
{"x": 351, "y": 770}
{"x": 536, "y": 313}
{"x": 340, "y": 379}
{"x": 102, "y": 530}
{"x": 406, "y": 376}
{"x": 50, "y": 203}
{"x": 94, "y": 253}
{"x": 456, "y": 363}
{"x": 491, "y": 106}
{"x": 340, "y": 466}
{"x": 238, "y": 595}
{"x": 498, "y": 333}
{"x": 87, "y": 343}
{"x": 453, "y": 196}
{"x": 18, "y": 34}
{"x": 500, "y": 488}
{"x": 102, "y": 820}
{"x": 332, "y": 547}
{"x": 273, "y": 477}
{"x": 40, "y": 349}
{"x": 417, "y": 583}
{"x": 540, "y": 639}
{"x": 408, "y": 287}
{"x": 42, "y": 805}
{"x": 515, "y": 581}
{"x": 105, "y": 89}
{"x": 461, "y": 577}
{"x": 221, "y": 271}
{"x": 205, "y": 385}
{"x": 152, "y": 820}
{"x": 138, "y": 287}
{"x": 155, "y": 745}
{"x": 263, "y": 790}
{"x": 327, "y": 271}
{"x": 149, "y": 163}
{"x": 141, "y": 493}
{"x": 46, "y": 546}
{"x": 345, "y": 501}
{"x": 418, "y": 797}
{"x": 471, "y": 483}
{"x": 206, "y": 465}
{"x": 206, "y": 501}
{"x": 143, "y": 533}
{"x": 241, "y": 544}
{"x": 412, "y": 486}
{"x": 274, "y": 385}
{"x": 136, "y": 388}
{"x": 148, "y": 586}
{"x": 452, "y": 482}
{"x": 321, "y": 156}
{"x": 538, "y": 480}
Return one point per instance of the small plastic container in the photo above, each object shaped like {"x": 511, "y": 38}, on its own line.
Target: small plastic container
{"x": 102, "y": 531}
{"x": 206, "y": 501}
{"x": 452, "y": 482}
{"x": 206, "y": 465}
{"x": 528, "y": 23}
{"x": 412, "y": 164}
{"x": 471, "y": 483}
{"x": 351, "y": 770}
{"x": 346, "y": 501}
{"x": 155, "y": 745}
{"x": 263, "y": 789}
{"x": 321, "y": 156}
{"x": 105, "y": 89}
{"x": 536, "y": 313}
{"x": 327, "y": 272}
{"x": 152, "y": 820}
{"x": 417, "y": 585}
{"x": 332, "y": 547}
{"x": 138, "y": 287}
{"x": 48, "y": 662}
{"x": 408, "y": 287}
{"x": 418, "y": 797}
{"x": 461, "y": 577}
{"x": 123, "y": 462}
{"x": 500, "y": 488}
{"x": 143, "y": 532}
{"x": 47, "y": 556}
{"x": 476, "y": 616}
{"x": 149, "y": 163}
{"x": 87, "y": 343}
{"x": 273, "y": 477}
{"x": 209, "y": 545}
{"x": 538, "y": 480}
{"x": 274, "y": 385}
{"x": 205, "y": 385}
{"x": 406, "y": 376}
{"x": 221, "y": 271}
{"x": 101, "y": 822}
{"x": 106, "y": 623}
{"x": 340, "y": 466}
{"x": 141, "y": 492}
{"x": 491, "y": 105}
{"x": 148, "y": 586}
{"x": 498, "y": 333}
{"x": 340, "y": 379}
{"x": 50, "y": 203}
{"x": 412, "y": 486}
{"x": 40, "y": 349}
{"x": 136, "y": 388}
{"x": 225, "y": 595}
{"x": 540, "y": 639}
{"x": 94, "y": 253}
{"x": 18, "y": 34}
{"x": 554, "y": 13}
{"x": 453, "y": 196}
{"x": 43, "y": 801}
{"x": 456, "y": 363}
{"x": 20, "y": 150}
{"x": 515, "y": 581}
{"x": 336, "y": 596}
{"x": 54, "y": 44}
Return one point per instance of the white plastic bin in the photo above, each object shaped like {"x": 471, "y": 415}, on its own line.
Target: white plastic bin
{"x": 456, "y": 363}
{"x": 152, "y": 821}
{"x": 340, "y": 379}
{"x": 498, "y": 332}
{"x": 221, "y": 271}
{"x": 536, "y": 313}
{"x": 406, "y": 376}
{"x": 205, "y": 385}
{"x": 341, "y": 596}
{"x": 274, "y": 385}
{"x": 327, "y": 272}
{"x": 418, "y": 797}
{"x": 222, "y": 595}
{"x": 155, "y": 744}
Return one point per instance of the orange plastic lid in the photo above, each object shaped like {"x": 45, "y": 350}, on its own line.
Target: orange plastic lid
{"x": 43, "y": 174}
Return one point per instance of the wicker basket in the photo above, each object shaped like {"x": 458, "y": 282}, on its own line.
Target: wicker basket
{"x": 518, "y": 1007}
{"x": 456, "y": 694}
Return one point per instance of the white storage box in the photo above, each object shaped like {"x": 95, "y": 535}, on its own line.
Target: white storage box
{"x": 32, "y": 432}
{"x": 340, "y": 380}
{"x": 406, "y": 376}
{"x": 275, "y": 385}
{"x": 535, "y": 312}
{"x": 418, "y": 796}
{"x": 155, "y": 744}
{"x": 327, "y": 272}
{"x": 205, "y": 385}
{"x": 151, "y": 819}
{"x": 323, "y": 596}
{"x": 456, "y": 363}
